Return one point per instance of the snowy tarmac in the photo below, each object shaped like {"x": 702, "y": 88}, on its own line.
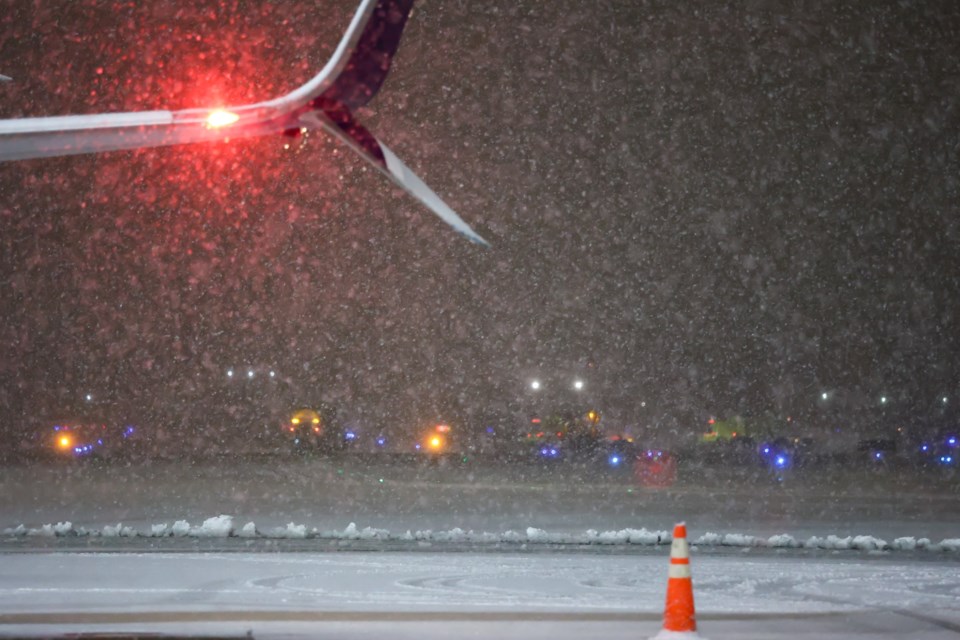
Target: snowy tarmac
{"x": 329, "y": 495}
{"x": 417, "y": 595}
{"x": 308, "y": 548}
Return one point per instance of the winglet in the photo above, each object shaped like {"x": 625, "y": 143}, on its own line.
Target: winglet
{"x": 357, "y": 83}
{"x": 369, "y": 63}
{"x": 350, "y": 79}
{"x": 340, "y": 123}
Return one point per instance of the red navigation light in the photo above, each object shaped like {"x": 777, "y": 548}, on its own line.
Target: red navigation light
{"x": 221, "y": 118}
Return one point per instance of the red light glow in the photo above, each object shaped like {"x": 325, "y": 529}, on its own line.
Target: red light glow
{"x": 221, "y": 118}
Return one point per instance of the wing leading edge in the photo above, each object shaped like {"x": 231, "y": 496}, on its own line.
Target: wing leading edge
{"x": 350, "y": 79}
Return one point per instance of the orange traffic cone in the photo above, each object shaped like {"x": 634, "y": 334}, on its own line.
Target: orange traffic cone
{"x": 678, "y": 615}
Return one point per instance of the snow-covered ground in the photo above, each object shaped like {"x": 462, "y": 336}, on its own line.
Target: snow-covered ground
{"x": 415, "y": 595}
{"x": 314, "y": 548}
{"x": 323, "y": 497}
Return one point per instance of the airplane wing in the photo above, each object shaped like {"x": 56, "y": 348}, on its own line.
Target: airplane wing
{"x": 350, "y": 79}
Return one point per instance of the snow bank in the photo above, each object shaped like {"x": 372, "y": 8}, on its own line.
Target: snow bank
{"x": 120, "y": 531}
{"x": 869, "y": 543}
{"x": 910, "y": 543}
{"x": 950, "y": 544}
{"x": 783, "y": 541}
{"x": 861, "y": 543}
{"x": 216, "y": 527}
{"x": 729, "y": 540}
{"x": 222, "y": 527}
{"x": 624, "y": 536}
{"x": 46, "y": 531}
{"x": 353, "y": 533}
{"x": 180, "y": 528}
{"x": 291, "y": 531}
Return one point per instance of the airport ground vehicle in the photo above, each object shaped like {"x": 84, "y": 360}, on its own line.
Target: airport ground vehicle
{"x": 564, "y": 435}
{"x": 310, "y": 429}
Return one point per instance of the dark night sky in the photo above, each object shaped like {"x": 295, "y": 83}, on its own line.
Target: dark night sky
{"x": 717, "y": 211}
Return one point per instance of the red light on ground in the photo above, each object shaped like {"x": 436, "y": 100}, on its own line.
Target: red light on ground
{"x": 535, "y": 421}
{"x": 443, "y": 428}
{"x": 711, "y": 421}
{"x": 221, "y": 118}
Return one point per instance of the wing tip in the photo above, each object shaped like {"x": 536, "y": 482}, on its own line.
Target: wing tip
{"x": 475, "y": 238}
